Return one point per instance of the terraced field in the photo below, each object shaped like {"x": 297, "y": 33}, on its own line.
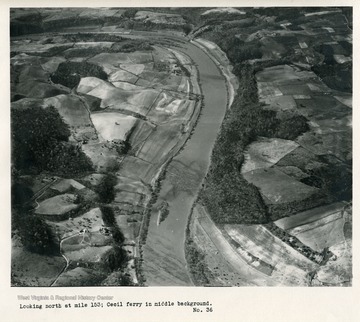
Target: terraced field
{"x": 151, "y": 111}
{"x": 142, "y": 99}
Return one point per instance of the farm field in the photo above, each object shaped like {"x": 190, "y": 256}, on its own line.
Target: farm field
{"x": 178, "y": 147}
{"x": 137, "y": 100}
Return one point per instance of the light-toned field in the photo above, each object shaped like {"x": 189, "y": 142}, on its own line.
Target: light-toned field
{"x": 323, "y": 233}
{"x": 309, "y": 216}
{"x": 112, "y": 126}
{"x": 228, "y": 265}
{"x": 135, "y": 69}
{"x": 224, "y": 10}
{"x": 161, "y": 142}
{"x": 101, "y": 13}
{"x": 138, "y": 101}
{"x": 139, "y": 135}
{"x": 122, "y": 76}
{"x": 87, "y": 84}
{"x": 128, "y": 184}
{"x": 171, "y": 107}
{"x": 280, "y": 103}
{"x": 111, "y": 61}
{"x": 65, "y": 184}
{"x": 92, "y": 221}
{"x": 346, "y": 100}
{"x": 265, "y": 152}
{"x": 133, "y": 87}
{"x": 138, "y": 169}
{"x": 282, "y": 73}
{"x": 34, "y": 48}
{"x": 268, "y": 89}
{"x": 89, "y": 247}
{"x": 71, "y": 108}
{"x": 159, "y": 18}
{"x": 126, "y": 86}
{"x": 289, "y": 265}
{"x": 338, "y": 272}
{"x": 51, "y": 64}
{"x": 57, "y": 205}
{"x": 278, "y": 187}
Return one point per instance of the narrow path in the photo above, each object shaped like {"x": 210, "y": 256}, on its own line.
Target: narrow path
{"x": 66, "y": 259}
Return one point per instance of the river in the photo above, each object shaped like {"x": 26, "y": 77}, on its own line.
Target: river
{"x": 164, "y": 256}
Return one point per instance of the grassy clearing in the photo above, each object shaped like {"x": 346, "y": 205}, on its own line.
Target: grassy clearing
{"x": 57, "y": 205}
{"x": 277, "y": 187}
{"x": 324, "y": 233}
{"x": 264, "y": 153}
{"x": 112, "y": 126}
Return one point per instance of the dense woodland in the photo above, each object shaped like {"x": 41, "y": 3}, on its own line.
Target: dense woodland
{"x": 42, "y": 143}
{"x": 228, "y": 196}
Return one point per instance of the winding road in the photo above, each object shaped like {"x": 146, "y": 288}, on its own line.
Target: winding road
{"x": 163, "y": 254}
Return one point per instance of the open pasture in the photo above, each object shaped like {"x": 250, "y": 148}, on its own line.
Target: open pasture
{"x": 136, "y": 69}
{"x": 309, "y": 216}
{"x": 138, "y": 101}
{"x": 265, "y": 152}
{"x": 138, "y": 169}
{"x": 278, "y": 187}
{"x": 338, "y": 272}
{"x": 112, "y": 61}
{"x": 130, "y": 185}
{"x": 26, "y": 103}
{"x": 259, "y": 242}
{"x": 279, "y": 103}
{"x": 346, "y": 100}
{"x": 171, "y": 106}
{"x": 122, "y": 196}
{"x": 72, "y": 109}
{"x": 322, "y": 107}
{"x": 325, "y": 232}
{"x": 66, "y": 184}
{"x": 38, "y": 89}
{"x": 160, "y": 143}
{"x": 57, "y": 205}
{"x": 91, "y": 220}
{"x": 139, "y": 135}
{"x": 123, "y": 76}
{"x": 51, "y": 64}
{"x": 282, "y": 73}
{"x": 85, "y": 252}
{"x": 112, "y": 126}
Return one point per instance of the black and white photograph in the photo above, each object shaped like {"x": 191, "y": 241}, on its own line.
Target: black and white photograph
{"x": 179, "y": 161}
{"x": 181, "y": 146}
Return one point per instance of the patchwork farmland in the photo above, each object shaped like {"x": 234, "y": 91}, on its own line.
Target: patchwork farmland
{"x": 178, "y": 146}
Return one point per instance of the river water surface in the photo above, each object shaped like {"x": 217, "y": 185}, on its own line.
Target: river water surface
{"x": 164, "y": 256}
